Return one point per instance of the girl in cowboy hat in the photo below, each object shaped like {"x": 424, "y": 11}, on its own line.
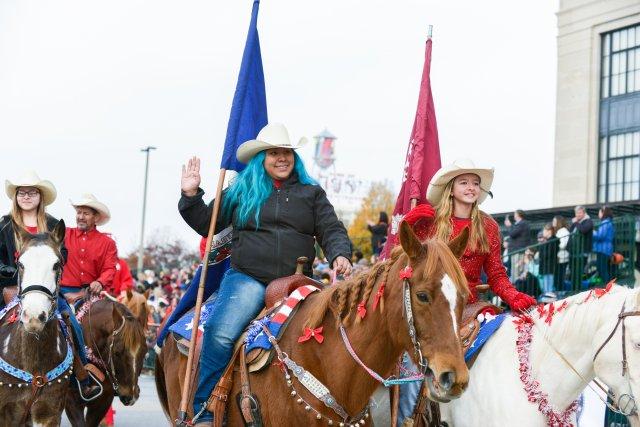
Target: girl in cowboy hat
{"x": 278, "y": 212}
{"x": 29, "y": 196}
{"x": 456, "y": 191}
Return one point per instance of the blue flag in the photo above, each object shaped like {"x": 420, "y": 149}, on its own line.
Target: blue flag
{"x": 249, "y": 108}
{"x": 248, "y": 116}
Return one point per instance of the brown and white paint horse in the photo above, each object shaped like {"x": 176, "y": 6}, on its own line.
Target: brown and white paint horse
{"x": 438, "y": 293}
{"x": 33, "y": 341}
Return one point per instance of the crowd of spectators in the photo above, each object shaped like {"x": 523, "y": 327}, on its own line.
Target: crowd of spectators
{"x": 568, "y": 255}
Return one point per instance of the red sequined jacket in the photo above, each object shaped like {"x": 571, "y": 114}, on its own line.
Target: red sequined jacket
{"x": 472, "y": 262}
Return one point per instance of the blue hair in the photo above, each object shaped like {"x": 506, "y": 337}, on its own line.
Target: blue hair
{"x": 253, "y": 186}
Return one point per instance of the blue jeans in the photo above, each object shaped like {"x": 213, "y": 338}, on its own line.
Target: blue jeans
{"x": 546, "y": 283}
{"x": 239, "y": 301}
{"x": 78, "y": 337}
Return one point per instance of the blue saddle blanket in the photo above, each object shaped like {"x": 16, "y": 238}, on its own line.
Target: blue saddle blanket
{"x": 184, "y": 325}
{"x": 487, "y": 329}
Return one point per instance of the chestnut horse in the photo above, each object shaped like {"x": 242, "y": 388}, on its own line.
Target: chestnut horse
{"x": 437, "y": 293}
{"x": 35, "y": 346}
{"x": 137, "y": 304}
{"x": 116, "y": 339}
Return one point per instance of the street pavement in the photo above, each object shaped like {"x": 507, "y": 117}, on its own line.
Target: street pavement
{"x": 147, "y": 411}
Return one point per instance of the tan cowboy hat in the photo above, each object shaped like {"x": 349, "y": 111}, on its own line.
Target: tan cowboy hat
{"x": 457, "y": 168}
{"x": 31, "y": 179}
{"x": 90, "y": 201}
{"x": 273, "y": 135}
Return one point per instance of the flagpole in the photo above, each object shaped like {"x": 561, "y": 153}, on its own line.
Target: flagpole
{"x": 184, "y": 399}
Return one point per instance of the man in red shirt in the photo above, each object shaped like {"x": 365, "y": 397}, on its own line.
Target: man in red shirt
{"x": 91, "y": 264}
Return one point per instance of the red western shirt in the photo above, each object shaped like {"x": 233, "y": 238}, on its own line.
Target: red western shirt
{"x": 122, "y": 280}
{"x": 92, "y": 256}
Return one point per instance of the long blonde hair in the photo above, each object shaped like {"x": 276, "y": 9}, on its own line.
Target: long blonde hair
{"x": 444, "y": 211}
{"x": 16, "y": 216}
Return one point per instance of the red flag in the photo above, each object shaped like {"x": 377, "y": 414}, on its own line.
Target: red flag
{"x": 423, "y": 155}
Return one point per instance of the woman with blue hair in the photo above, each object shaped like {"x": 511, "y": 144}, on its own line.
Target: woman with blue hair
{"x": 278, "y": 212}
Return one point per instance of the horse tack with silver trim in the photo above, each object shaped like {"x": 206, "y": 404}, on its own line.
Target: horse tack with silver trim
{"x": 315, "y": 387}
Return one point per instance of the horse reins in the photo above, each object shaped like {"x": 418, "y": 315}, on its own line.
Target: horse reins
{"x": 625, "y": 404}
{"x": 110, "y": 370}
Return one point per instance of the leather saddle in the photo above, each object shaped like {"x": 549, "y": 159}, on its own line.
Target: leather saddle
{"x": 471, "y": 325}
{"x": 75, "y": 297}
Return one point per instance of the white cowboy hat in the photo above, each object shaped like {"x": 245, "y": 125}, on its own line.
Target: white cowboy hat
{"x": 90, "y": 201}
{"x": 457, "y": 168}
{"x": 31, "y": 179}
{"x": 273, "y": 135}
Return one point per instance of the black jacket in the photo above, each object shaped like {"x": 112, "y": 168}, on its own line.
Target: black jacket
{"x": 378, "y": 236}
{"x": 8, "y": 248}
{"x": 581, "y": 238}
{"x": 291, "y": 220}
{"x": 548, "y": 256}
{"x": 519, "y": 235}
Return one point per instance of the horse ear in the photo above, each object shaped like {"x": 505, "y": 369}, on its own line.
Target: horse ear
{"x": 129, "y": 294}
{"x": 147, "y": 293}
{"x": 58, "y": 232}
{"x": 409, "y": 241}
{"x": 459, "y": 244}
{"x": 117, "y": 316}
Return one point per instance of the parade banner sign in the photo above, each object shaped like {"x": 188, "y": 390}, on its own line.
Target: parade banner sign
{"x": 423, "y": 155}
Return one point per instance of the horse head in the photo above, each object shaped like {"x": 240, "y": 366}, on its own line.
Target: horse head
{"x": 616, "y": 355}
{"x": 137, "y": 304}
{"x": 438, "y": 292}
{"x": 127, "y": 349}
{"x": 39, "y": 269}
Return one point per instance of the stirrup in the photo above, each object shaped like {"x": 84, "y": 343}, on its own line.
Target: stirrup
{"x": 93, "y": 377}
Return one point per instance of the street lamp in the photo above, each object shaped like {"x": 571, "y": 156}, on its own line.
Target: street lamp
{"x": 147, "y": 150}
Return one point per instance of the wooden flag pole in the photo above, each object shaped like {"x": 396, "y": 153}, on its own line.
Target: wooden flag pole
{"x": 184, "y": 400}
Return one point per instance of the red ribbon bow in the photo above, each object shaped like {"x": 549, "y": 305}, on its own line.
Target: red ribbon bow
{"x": 315, "y": 333}
{"x": 600, "y": 292}
{"x": 362, "y": 310}
{"x": 378, "y": 296}
{"x": 406, "y": 273}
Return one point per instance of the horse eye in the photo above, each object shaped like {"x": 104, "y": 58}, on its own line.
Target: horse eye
{"x": 56, "y": 266}
{"x": 637, "y": 345}
{"x": 423, "y": 296}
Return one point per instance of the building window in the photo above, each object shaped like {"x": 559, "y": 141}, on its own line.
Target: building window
{"x": 619, "y": 168}
{"x": 619, "y": 151}
{"x": 621, "y": 62}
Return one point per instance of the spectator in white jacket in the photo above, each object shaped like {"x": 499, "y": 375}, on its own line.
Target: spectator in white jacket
{"x": 562, "y": 233}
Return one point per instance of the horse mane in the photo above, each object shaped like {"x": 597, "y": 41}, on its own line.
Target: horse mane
{"x": 583, "y": 309}
{"x": 132, "y": 334}
{"x": 342, "y": 299}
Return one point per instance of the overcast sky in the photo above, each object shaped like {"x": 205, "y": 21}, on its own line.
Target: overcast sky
{"x": 85, "y": 84}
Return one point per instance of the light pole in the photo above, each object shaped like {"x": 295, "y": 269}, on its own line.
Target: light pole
{"x": 147, "y": 150}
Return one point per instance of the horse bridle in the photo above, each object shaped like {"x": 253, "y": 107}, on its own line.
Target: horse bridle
{"x": 625, "y": 404}
{"x": 408, "y": 314}
{"x": 110, "y": 369}
{"x": 52, "y": 296}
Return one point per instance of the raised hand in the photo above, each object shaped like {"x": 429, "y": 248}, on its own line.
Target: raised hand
{"x": 190, "y": 177}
